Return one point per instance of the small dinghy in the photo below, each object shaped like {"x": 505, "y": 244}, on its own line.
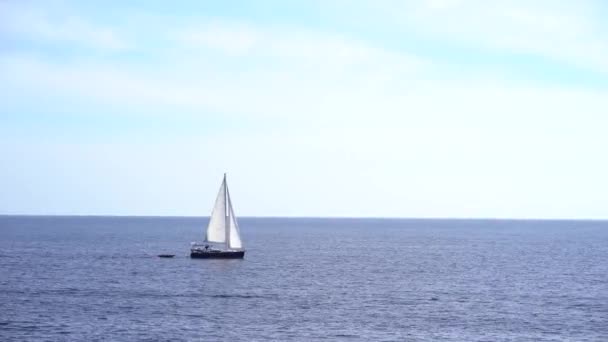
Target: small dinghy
{"x": 166, "y": 255}
{"x": 222, "y": 229}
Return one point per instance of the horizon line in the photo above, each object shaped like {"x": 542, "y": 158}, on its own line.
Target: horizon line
{"x": 315, "y": 217}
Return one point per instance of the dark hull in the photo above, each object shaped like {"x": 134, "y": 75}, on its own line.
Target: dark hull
{"x": 217, "y": 255}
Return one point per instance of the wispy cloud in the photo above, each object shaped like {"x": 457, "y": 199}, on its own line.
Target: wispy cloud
{"x": 235, "y": 39}
{"x": 292, "y": 71}
{"x": 292, "y": 45}
{"x": 302, "y": 73}
{"x": 33, "y": 24}
{"x": 571, "y": 33}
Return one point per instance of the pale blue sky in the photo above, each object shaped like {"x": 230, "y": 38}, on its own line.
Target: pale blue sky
{"x": 444, "y": 108}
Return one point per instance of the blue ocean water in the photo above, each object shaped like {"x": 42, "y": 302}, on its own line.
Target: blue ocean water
{"x": 98, "y": 279}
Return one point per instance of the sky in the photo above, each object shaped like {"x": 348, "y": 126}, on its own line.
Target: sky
{"x": 428, "y": 108}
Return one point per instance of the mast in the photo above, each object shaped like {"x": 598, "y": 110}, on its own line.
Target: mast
{"x": 226, "y": 213}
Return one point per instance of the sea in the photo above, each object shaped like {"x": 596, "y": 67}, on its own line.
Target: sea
{"x": 99, "y": 278}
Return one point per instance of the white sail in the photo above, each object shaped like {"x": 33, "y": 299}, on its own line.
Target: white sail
{"x": 234, "y": 238}
{"x": 216, "y": 230}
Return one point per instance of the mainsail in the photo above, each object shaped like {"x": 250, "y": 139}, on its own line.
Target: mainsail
{"x": 223, "y": 227}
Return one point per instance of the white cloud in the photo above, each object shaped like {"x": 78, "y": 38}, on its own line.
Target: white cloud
{"x": 568, "y": 32}
{"x": 28, "y": 23}
{"x": 299, "y": 73}
{"x": 320, "y": 50}
{"x": 236, "y": 39}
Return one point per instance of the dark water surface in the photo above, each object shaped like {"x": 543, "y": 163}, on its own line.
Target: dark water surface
{"x": 98, "y": 279}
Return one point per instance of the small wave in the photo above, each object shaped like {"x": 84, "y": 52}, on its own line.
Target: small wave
{"x": 241, "y": 296}
{"x": 194, "y": 315}
{"x": 346, "y": 335}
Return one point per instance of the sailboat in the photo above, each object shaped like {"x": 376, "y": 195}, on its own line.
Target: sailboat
{"x": 223, "y": 239}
